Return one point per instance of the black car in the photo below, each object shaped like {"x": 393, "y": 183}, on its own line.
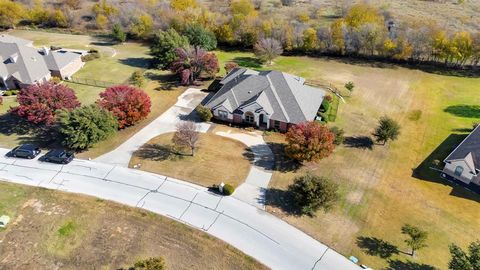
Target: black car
{"x": 25, "y": 151}
{"x": 58, "y": 156}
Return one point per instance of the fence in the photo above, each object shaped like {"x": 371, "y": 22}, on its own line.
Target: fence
{"x": 92, "y": 82}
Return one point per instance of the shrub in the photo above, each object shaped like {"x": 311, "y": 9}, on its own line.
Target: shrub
{"x": 325, "y": 105}
{"x": 339, "y": 135}
{"x": 90, "y": 56}
{"x": 127, "y": 103}
{"x": 329, "y": 98}
{"x": 229, "y": 66}
{"x": 55, "y": 80}
{"x": 137, "y": 78}
{"x": 311, "y": 193}
{"x": 204, "y": 113}
{"x": 85, "y": 126}
{"x": 39, "y": 102}
{"x": 349, "y": 86}
{"x": 228, "y": 189}
{"x": 309, "y": 141}
{"x": 150, "y": 264}
{"x": 163, "y": 47}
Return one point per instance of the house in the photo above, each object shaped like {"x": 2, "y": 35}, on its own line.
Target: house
{"x": 21, "y": 64}
{"x": 265, "y": 99}
{"x": 463, "y": 164}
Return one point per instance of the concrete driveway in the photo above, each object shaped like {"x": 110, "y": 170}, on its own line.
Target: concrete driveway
{"x": 165, "y": 123}
{"x": 268, "y": 239}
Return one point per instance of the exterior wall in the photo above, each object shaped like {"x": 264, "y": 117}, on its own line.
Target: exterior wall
{"x": 466, "y": 175}
{"x": 283, "y": 126}
{"x": 70, "y": 69}
{"x": 237, "y": 118}
{"x": 217, "y": 115}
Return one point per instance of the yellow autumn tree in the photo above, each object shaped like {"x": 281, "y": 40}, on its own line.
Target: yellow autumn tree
{"x": 183, "y": 4}
{"x": 361, "y": 14}
{"x": 309, "y": 39}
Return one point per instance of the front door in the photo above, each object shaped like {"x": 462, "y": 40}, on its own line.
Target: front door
{"x": 262, "y": 120}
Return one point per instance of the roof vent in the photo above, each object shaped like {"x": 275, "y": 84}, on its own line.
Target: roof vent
{"x": 249, "y": 92}
{"x": 14, "y": 58}
{"x": 34, "y": 59}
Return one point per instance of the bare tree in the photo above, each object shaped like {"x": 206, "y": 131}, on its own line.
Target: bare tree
{"x": 186, "y": 136}
{"x": 268, "y": 49}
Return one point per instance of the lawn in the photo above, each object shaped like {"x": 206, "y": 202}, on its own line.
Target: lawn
{"x": 217, "y": 159}
{"x": 383, "y": 187}
{"x": 50, "y": 229}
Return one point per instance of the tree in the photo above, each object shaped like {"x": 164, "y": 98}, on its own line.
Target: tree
{"x": 85, "y": 126}
{"x": 229, "y": 66}
{"x": 311, "y": 193}
{"x": 118, "y": 34}
{"x": 461, "y": 260}
{"x": 191, "y": 62}
{"x": 186, "y": 136}
{"x": 163, "y": 47}
{"x": 350, "y": 86}
{"x": 150, "y": 264}
{"x": 142, "y": 26}
{"x": 267, "y": 49}
{"x": 309, "y": 141}
{"x": 201, "y": 37}
{"x": 339, "y": 135}
{"x": 137, "y": 78}
{"x": 39, "y": 102}
{"x": 127, "y": 103}
{"x": 11, "y": 13}
{"x": 101, "y": 21}
{"x": 417, "y": 237}
{"x": 183, "y": 4}
{"x": 387, "y": 129}
{"x": 310, "y": 39}
{"x": 204, "y": 113}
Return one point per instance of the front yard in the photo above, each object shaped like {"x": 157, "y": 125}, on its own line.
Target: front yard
{"x": 217, "y": 159}
{"x": 51, "y": 229}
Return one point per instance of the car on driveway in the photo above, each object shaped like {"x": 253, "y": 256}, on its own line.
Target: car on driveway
{"x": 58, "y": 156}
{"x": 29, "y": 151}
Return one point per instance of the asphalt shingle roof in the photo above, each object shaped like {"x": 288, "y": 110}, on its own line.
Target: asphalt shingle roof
{"x": 468, "y": 150}
{"x": 283, "y": 94}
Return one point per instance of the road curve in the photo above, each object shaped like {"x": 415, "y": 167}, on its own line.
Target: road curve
{"x": 255, "y": 232}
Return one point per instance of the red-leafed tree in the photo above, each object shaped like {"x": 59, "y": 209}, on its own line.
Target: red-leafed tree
{"x": 39, "y": 102}
{"x": 309, "y": 141}
{"x": 192, "y": 62}
{"x": 127, "y": 103}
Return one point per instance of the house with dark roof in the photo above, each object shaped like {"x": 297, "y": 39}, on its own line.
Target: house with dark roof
{"x": 463, "y": 163}
{"x": 266, "y": 99}
{"x": 21, "y": 64}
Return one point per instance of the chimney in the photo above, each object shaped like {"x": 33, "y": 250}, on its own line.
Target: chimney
{"x": 45, "y": 50}
{"x": 14, "y": 58}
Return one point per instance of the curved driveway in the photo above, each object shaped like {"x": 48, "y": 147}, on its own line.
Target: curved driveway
{"x": 268, "y": 239}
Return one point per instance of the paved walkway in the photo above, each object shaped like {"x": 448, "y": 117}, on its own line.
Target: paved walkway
{"x": 165, "y": 123}
{"x": 253, "y": 190}
{"x": 268, "y": 239}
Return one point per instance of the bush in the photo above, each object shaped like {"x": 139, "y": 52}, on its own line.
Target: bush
{"x": 85, "y": 126}
{"x": 228, "y": 189}
{"x": 127, "y": 103}
{"x": 325, "y": 105}
{"x": 339, "y": 135}
{"x": 150, "y": 264}
{"x": 204, "y": 113}
{"x": 311, "y": 193}
{"x": 38, "y": 103}
{"x": 137, "y": 78}
{"x": 91, "y": 56}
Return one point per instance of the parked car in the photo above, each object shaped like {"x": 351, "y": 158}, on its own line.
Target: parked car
{"x": 58, "y": 156}
{"x": 25, "y": 151}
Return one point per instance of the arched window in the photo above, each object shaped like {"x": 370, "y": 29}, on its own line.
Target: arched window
{"x": 249, "y": 117}
{"x": 458, "y": 170}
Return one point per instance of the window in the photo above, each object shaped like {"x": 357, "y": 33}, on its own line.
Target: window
{"x": 249, "y": 118}
{"x": 223, "y": 114}
{"x": 276, "y": 124}
{"x": 458, "y": 171}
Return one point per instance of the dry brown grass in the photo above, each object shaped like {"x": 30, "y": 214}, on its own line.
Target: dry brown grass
{"x": 100, "y": 235}
{"x": 217, "y": 159}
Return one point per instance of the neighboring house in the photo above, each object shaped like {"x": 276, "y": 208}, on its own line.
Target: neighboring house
{"x": 266, "y": 99}
{"x": 21, "y": 64}
{"x": 463, "y": 163}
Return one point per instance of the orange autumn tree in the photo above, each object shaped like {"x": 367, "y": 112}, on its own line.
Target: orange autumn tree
{"x": 309, "y": 141}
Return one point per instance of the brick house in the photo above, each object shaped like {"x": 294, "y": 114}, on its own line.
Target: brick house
{"x": 265, "y": 99}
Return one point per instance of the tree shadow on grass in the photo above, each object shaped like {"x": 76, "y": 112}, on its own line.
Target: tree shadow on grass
{"x": 26, "y": 132}
{"x": 282, "y": 162}
{"x": 468, "y": 111}
{"x": 138, "y": 62}
{"x": 408, "y": 265}
{"x": 282, "y": 199}
{"x": 248, "y": 62}
{"x": 376, "y": 247}
{"x": 362, "y": 142}
{"x": 155, "y": 152}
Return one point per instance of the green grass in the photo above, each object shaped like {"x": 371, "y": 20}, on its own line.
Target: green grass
{"x": 67, "y": 229}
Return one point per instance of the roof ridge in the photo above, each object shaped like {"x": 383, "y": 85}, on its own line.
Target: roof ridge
{"x": 280, "y": 103}
{"x": 294, "y": 96}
